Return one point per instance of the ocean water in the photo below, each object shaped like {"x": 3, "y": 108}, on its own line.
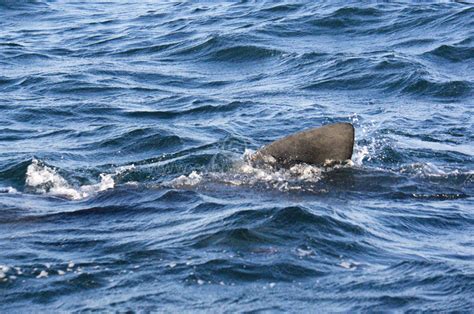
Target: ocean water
{"x": 126, "y": 130}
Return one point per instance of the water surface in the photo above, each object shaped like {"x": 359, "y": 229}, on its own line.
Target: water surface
{"x": 125, "y": 131}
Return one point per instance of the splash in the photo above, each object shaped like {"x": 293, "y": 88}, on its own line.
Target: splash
{"x": 246, "y": 172}
{"x": 297, "y": 177}
{"x": 43, "y": 179}
{"x": 365, "y": 133}
{"x": 360, "y": 154}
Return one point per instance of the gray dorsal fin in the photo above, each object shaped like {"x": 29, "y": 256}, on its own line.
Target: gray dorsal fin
{"x": 332, "y": 142}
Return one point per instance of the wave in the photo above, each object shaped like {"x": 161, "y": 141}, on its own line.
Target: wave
{"x": 222, "y": 270}
{"x": 452, "y": 53}
{"x": 145, "y": 49}
{"x": 349, "y": 18}
{"x": 141, "y": 140}
{"x": 223, "y": 49}
{"x": 22, "y": 4}
{"x": 197, "y": 110}
{"x": 254, "y": 228}
{"x": 282, "y": 8}
{"x": 393, "y": 74}
{"x": 449, "y": 89}
{"x": 243, "y": 54}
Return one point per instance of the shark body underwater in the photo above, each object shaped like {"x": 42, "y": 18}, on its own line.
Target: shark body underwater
{"x": 326, "y": 145}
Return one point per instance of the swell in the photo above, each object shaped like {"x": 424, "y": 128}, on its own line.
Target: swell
{"x": 183, "y": 113}
{"x": 223, "y": 49}
{"x": 23, "y": 4}
{"x": 349, "y": 18}
{"x": 250, "y": 228}
{"x": 452, "y": 53}
{"x": 388, "y": 73}
{"x": 428, "y": 224}
{"x": 141, "y": 139}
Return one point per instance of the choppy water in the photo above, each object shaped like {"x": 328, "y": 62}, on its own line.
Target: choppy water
{"x": 124, "y": 133}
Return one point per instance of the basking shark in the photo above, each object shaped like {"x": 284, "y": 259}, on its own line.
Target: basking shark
{"x": 326, "y": 145}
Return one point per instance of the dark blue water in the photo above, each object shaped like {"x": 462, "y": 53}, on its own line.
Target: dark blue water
{"x": 125, "y": 131}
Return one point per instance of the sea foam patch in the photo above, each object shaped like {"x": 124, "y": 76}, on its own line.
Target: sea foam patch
{"x": 44, "y": 179}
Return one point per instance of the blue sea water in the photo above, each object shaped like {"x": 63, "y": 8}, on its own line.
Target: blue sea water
{"x": 125, "y": 132}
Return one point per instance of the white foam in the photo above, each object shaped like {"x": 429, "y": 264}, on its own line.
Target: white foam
{"x": 8, "y": 190}
{"x": 46, "y": 180}
{"x": 247, "y": 172}
{"x": 106, "y": 182}
{"x": 4, "y": 268}
{"x": 43, "y": 274}
{"x": 303, "y": 252}
{"x": 431, "y": 170}
{"x": 192, "y": 179}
